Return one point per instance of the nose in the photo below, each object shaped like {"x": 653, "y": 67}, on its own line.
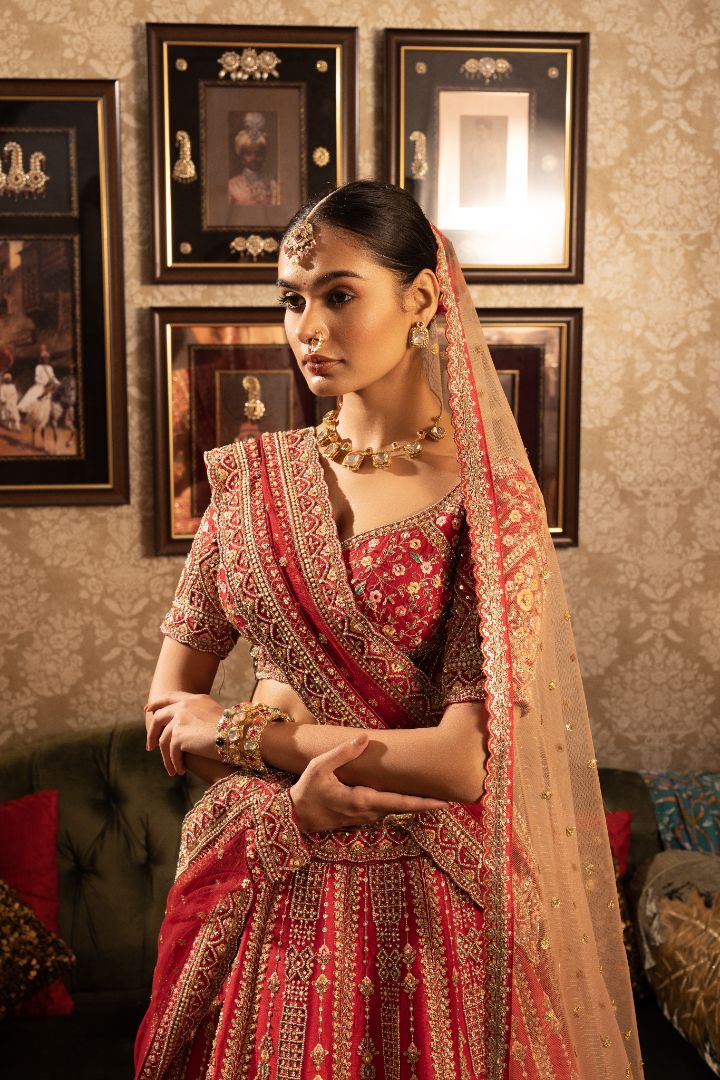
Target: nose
{"x": 310, "y": 328}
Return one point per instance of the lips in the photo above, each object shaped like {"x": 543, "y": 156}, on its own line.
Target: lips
{"x": 317, "y": 359}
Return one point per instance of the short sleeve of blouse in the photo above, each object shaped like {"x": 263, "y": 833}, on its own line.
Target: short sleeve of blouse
{"x": 196, "y": 617}
{"x": 462, "y": 678}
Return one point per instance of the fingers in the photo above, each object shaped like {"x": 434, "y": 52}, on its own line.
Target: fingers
{"x": 164, "y": 746}
{"x": 364, "y": 805}
{"x": 339, "y": 755}
{"x": 167, "y": 699}
{"x": 177, "y": 758}
{"x": 172, "y": 755}
{"x": 155, "y": 723}
{"x": 414, "y": 804}
{"x": 374, "y": 804}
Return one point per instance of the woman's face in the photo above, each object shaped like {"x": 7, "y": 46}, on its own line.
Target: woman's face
{"x": 358, "y": 306}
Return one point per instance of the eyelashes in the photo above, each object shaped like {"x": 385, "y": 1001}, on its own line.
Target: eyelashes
{"x": 294, "y": 302}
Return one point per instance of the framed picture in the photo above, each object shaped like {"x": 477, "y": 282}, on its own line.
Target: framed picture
{"x": 63, "y": 423}
{"x": 248, "y": 123}
{"x": 221, "y": 375}
{"x": 488, "y": 132}
{"x": 537, "y": 355}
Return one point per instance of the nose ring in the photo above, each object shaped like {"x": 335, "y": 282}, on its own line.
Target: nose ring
{"x": 315, "y": 342}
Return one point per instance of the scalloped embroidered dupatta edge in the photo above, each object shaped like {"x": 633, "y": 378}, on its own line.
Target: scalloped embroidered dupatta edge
{"x": 486, "y": 552}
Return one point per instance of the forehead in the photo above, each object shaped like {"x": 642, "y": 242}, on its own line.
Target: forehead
{"x": 334, "y": 251}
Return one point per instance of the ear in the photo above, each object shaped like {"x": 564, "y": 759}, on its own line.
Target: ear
{"x": 423, "y": 296}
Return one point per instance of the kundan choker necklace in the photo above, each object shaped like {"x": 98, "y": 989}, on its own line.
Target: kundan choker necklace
{"x": 343, "y": 451}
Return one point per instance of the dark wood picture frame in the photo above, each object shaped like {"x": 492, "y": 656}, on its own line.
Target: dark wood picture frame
{"x": 276, "y": 103}
{"x": 201, "y": 354}
{"x": 63, "y": 414}
{"x": 515, "y": 101}
{"x": 538, "y": 352}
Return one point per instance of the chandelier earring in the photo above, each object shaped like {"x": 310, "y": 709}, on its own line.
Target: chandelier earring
{"x": 419, "y": 337}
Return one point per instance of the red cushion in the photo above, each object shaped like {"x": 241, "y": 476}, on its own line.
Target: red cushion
{"x": 28, "y": 863}
{"x": 619, "y": 824}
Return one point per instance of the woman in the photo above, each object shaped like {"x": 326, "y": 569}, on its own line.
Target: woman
{"x": 433, "y": 897}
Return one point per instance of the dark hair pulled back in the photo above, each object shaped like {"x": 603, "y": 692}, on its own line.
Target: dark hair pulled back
{"x": 385, "y": 218}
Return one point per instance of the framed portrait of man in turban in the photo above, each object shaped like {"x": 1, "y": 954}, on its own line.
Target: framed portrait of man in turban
{"x": 247, "y": 124}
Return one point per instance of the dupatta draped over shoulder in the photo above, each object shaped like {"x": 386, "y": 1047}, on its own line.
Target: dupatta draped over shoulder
{"x": 479, "y": 941}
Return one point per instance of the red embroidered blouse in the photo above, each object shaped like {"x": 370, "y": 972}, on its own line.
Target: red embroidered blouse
{"x": 412, "y": 578}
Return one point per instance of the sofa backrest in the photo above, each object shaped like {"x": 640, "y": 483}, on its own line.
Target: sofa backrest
{"x": 119, "y": 826}
{"x": 623, "y": 789}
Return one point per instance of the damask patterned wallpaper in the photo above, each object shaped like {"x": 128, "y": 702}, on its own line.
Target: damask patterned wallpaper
{"x": 83, "y": 593}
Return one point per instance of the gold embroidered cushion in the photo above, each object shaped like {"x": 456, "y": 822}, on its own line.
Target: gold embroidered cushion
{"x": 31, "y": 956}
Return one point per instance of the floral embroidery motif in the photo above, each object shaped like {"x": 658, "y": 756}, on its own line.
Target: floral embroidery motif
{"x": 401, "y": 576}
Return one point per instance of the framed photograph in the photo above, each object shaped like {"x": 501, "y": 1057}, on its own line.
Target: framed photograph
{"x": 537, "y": 355}
{"x": 488, "y": 132}
{"x": 63, "y": 421}
{"x": 221, "y": 375}
{"x": 248, "y": 123}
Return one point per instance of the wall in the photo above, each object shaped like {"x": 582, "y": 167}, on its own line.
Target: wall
{"x": 82, "y": 589}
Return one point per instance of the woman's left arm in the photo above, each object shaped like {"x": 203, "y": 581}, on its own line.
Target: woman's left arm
{"x": 443, "y": 762}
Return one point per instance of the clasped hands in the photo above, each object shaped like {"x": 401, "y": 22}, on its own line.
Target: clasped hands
{"x": 182, "y": 723}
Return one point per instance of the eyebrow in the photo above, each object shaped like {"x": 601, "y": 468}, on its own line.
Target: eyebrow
{"x": 331, "y": 275}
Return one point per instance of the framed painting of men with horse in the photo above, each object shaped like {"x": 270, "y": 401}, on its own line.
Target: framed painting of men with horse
{"x": 63, "y": 422}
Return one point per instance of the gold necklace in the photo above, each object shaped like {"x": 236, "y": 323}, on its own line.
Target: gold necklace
{"x": 342, "y": 450}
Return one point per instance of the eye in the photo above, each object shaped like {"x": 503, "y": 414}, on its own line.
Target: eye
{"x": 290, "y": 301}
{"x": 338, "y": 297}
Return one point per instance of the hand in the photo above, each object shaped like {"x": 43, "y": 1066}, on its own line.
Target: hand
{"x": 322, "y": 803}
{"x": 181, "y": 723}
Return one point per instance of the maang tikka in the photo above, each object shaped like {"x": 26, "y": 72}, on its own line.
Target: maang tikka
{"x": 301, "y": 238}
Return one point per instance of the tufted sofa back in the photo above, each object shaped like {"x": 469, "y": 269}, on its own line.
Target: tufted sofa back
{"x": 120, "y": 816}
{"x": 623, "y": 789}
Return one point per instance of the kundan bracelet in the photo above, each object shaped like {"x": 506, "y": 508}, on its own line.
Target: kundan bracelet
{"x": 239, "y": 730}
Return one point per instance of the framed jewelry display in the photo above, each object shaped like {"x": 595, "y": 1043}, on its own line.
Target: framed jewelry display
{"x": 222, "y": 375}
{"x": 247, "y": 123}
{"x": 63, "y": 412}
{"x": 488, "y": 132}
{"x": 537, "y": 355}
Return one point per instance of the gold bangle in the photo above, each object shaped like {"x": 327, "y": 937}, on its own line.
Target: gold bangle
{"x": 239, "y": 731}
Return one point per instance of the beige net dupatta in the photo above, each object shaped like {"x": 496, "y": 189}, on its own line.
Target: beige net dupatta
{"x": 549, "y": 886}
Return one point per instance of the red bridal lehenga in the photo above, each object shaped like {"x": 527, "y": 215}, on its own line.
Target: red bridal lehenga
{"x": 481, "y": 941}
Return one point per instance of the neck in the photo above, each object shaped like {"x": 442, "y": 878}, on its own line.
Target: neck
{"x": 392, "y": 409}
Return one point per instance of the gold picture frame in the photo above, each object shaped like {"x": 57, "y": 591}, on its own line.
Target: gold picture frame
{"x": 247, "y": 123}
{"x": 488, "y": 132}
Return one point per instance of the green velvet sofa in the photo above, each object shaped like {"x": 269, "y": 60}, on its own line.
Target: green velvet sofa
{"x": 119, "y": 826}
{"x": 120, "y": 817}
